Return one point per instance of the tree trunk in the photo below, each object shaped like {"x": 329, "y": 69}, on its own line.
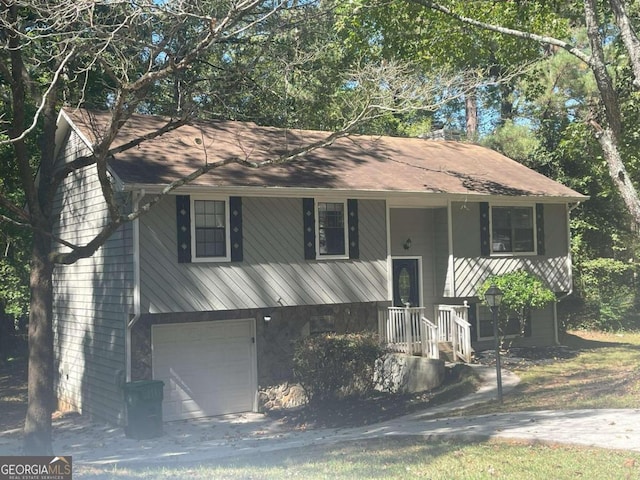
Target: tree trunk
{"x": 619, "y": 175}
{"x": 506, "y": 102}
{"x": 37, "y": 428}
{"x": 609, "y": 135}
{"x": 471, "y": 112}
{"x": 5, "y": 331}
{"x": 629, "y": 38}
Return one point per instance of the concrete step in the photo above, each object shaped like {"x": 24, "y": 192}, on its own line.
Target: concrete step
{"x": 446, "y": 352}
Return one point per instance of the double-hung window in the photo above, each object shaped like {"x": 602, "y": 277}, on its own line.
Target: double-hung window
{"x": 331, "y": 229}
{"x": 210, "y": 233}
{"x": 513, "y": 229}
{"x": 509, "y": 329}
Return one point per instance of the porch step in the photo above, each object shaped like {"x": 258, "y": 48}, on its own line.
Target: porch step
{"x": 446, "y": 352}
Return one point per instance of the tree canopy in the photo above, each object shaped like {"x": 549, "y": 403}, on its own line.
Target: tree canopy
{"x": 557, "y": 82}
{"x": 279, "y": 63}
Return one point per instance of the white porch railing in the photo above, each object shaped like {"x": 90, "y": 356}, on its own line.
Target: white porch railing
{"x": 446, "y": 314}
{"x": 429, "y": 334}
{"x": 409, "y": 331}
{"x": 402, "y": 330}
{"x": 462, "y": 339}
{"x": 454, "y": 327}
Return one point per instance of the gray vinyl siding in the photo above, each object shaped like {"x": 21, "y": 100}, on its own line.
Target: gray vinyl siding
{"x": 416, "y": 224}
{"x": 465, "y": 220}
{"x": 92, "y": 302}
{"x": 543, "y": 331}
{"x": 470, "y": 268}
{"x": 443, "y": 275}
{"x": 273, "y": 271}
{"x": 428, "y": 230}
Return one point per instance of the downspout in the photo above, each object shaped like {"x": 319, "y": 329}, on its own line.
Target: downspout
{"x": 383, "y": 313}
{"x": 451, "y": 276}
{"x": 389, "y": 255}
{"x": 569, "y": 269}
{"x": 137, "y": 196}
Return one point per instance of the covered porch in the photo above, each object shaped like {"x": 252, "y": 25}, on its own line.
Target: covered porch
{"x": 409, "y": 330}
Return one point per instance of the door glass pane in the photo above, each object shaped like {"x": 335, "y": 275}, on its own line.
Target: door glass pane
{"x": 404, "y": 286}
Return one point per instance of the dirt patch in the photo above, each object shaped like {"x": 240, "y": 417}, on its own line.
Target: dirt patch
{"x": 13, "y": 395}
{"x": 527, "y": 356}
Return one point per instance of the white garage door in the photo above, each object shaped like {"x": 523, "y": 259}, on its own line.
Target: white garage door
{"x": 208, "y": 368}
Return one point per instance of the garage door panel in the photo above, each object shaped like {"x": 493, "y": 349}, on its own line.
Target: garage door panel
{"x": 208, "y": 368}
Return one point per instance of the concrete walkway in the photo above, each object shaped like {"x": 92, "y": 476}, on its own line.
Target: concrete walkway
{"x": 205, "y": 440}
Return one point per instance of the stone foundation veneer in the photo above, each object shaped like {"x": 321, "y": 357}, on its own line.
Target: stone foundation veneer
{"x": 275, "y": 340}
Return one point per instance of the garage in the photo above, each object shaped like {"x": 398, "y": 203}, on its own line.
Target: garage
{"x": 208, "y": 368}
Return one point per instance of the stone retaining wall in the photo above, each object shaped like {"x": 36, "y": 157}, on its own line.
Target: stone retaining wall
{"x": 401, "y": 373}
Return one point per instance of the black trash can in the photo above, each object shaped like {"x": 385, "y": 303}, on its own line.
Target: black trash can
{"x": 144, "y": 408}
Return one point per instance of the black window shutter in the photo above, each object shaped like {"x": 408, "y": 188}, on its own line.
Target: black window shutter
{"x": 235, "y": 226}
{"x": 354, "y": 241}
{"x": 183, "y": 223}
{"x": 540, "y": 228}
{"x": 309, "y": 222}
{"x": 485, "y": 237}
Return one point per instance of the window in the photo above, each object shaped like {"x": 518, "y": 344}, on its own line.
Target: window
{"x": 330, "y": 229}
{"x": 332, "y": 234}
{"x": 512, "y": 230}
{"x": 511, "y": 329}
{"x": 210, "y": 233}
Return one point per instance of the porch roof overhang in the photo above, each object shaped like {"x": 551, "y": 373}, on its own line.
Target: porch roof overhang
{"x": 406, "y": 169}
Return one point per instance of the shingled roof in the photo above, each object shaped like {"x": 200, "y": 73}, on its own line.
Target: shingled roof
{"x": 354, "y": 163}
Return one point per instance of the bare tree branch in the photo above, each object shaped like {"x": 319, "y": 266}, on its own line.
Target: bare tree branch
{"x": 43, "y": 101}
{"x": 4, "y": 218}
{"x": 89, "y": 249}
{"x": 608, "y": 93}
{"x": 13, "y": 208}
{"x": 171, "y": 125}
{"x": 507, "y": 31}
{"x": 608, "y": 135}
{"x": 629, "y": 38}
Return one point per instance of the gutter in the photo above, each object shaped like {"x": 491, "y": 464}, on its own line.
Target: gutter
{"x": 137, "y": 196}
{"x": 425, "y": 197}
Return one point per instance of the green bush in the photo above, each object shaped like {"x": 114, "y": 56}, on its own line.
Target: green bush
{"x": 331, "y": 366}
{"x": 608, "y": 291}
{"x": 522, "y": 292}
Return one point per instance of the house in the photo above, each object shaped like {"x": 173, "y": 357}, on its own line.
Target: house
{"x": 208, "y": 290}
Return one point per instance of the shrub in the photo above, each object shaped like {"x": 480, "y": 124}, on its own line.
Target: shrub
{"x": 331, "y": 366}
{"x": 607, "y": 288}
{"x": 522, "y": 293}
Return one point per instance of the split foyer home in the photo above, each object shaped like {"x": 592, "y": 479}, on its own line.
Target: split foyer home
{"x": 209, "y": 290}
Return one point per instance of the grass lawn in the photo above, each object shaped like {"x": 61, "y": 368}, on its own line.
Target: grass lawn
{"x": 603, "y": 371}
{"x": 402, "y": 458}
